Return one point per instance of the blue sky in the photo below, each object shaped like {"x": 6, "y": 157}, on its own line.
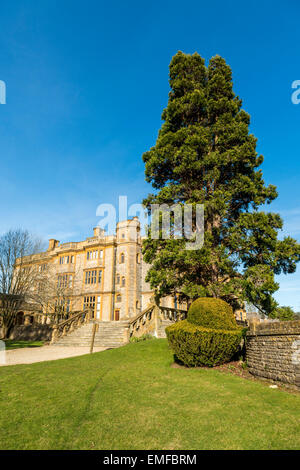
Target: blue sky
{"x": 86, "y": 85}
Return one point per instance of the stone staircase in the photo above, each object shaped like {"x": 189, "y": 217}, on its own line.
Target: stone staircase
{"x": 161, "y": 331}
{"x": 110, "y": 334}
{"x": 78, "y": 330}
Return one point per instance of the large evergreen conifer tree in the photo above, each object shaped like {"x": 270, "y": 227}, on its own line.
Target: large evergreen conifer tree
{"x": 204, "y": 154}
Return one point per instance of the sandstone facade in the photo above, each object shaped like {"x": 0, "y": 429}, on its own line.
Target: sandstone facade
{"x": 104, "y": 272}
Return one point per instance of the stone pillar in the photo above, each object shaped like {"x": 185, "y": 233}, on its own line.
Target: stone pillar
{"x": 253, "y": 323}
{"x": 27, "y": 318}
{"x": 156, "y": 313}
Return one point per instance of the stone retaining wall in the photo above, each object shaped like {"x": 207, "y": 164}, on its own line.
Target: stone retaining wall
{"x": 31, "y": 333}
{"x": 273, "y": 351}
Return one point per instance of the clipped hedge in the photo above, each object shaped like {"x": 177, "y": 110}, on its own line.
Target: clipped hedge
{"x": 195, "y": 345}
{"x": 209, "y": 312}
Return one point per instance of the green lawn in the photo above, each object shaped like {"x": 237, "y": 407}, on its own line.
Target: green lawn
{"x": 130, "y": 398}
{"x": 12, "y": 344}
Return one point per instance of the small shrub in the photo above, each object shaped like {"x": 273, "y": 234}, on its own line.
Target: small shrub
{"x": 195, "y": 345}
{"x": 137, "y": 339}
{"x": 209, "y": 312}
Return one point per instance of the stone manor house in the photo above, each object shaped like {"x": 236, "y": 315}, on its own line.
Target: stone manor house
{"x": 104, "y": 272}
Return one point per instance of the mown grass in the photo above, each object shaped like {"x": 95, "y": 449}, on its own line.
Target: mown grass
{"x": 130, "y": 398}
{"x": 12, "y": 344}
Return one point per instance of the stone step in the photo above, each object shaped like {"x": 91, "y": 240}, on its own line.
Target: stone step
{"x": 69, "y": 339}
{"x": 98, "y": 337}
{"x": 161, "y": 330}
{"x": 102, "y": 333}
{"x": 109, "y": 335}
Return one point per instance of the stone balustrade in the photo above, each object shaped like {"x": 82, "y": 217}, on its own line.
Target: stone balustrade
{"x": 72, "y": 323}
{"x": 149, "y": 321}
{"x": 172, "y": 314}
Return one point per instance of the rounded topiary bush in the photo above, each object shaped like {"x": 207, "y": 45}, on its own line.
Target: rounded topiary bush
{"x": 212, "y": 313}
{"x": 195, "y": 345}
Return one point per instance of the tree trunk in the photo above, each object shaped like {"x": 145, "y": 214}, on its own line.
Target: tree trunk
{"x": 5, "y": 332}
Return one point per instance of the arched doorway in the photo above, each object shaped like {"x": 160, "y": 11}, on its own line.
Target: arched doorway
{"x": 20, "y": 319}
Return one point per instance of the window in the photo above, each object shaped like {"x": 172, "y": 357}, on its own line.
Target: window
{"x": 119, "y": 298}
{"x": 89, "y": 302}
{"x": 65, "y": 280}
{"x": 101, "y": 254}
{"x": 92, "y": 254}
{"x": 98, "y": 306}
{"x": 63, "y": 305}
{"x": 40, "y": 286}
{"x": 122, "y": 258}
{"x": 137, "y": 304}
{"x": 93, "y": 276}
{"x": 138, "y": 258}
{"x": 123, "y": 281}
{"x": 118, "y": 279}
{"x": 66, "y": 259}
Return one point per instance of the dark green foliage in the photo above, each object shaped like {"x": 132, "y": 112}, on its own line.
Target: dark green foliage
{"x": 204, "y": 154}
{"x": 197, "y": 346}
{"x": 210, "y": 335}
{"x": 212, "y": 313}
{"x": 284, "y": 314}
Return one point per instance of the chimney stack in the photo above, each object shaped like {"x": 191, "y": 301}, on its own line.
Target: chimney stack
{"x": 99, "y": 232}
{"x": 53, "y": 244}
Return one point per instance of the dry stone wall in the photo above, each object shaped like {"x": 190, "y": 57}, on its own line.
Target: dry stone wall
{"x": 273, "y": 351}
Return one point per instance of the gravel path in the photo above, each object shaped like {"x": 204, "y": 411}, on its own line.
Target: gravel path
{"x": 43, "y": 353}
